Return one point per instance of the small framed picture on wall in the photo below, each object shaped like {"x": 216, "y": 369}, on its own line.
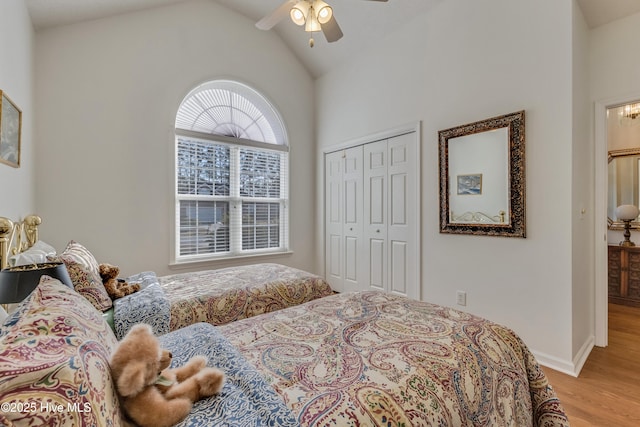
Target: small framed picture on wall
{"x": 470, "y": 184}
{"x": 10, "y": 131}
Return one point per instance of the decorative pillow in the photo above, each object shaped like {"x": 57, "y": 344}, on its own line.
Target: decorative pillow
{"x": 54, "y": 362}
{"x": 84, "y": 272}
{"x": 75, "y": 252}
{"x": 90, "y": 287}
{"x": 150, "y": 305}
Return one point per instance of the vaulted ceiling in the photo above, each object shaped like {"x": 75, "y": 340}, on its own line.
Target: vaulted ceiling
{"x": 363, "y": 22}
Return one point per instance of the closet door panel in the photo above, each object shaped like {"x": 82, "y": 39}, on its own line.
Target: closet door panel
{"x": 375, "y": 214}
{"x": 376, "y": 264}
{"x": 335, "y": 207}
{"x": 376, "y": 203}
{"x": 351, "y": 203}
{"x": 398, "y": 196}
{"x": 399, "y": 269}
{"x": 402, "y": 230}
{"x": 353, "y": 219}
{"x": 334, "y": 255}
{"x": 333, "y": 221}
{"x": 351, "y": 258}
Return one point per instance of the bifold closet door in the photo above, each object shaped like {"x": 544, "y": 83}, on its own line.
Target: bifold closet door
{"x": 402, "y": 228}
{"x": 333, "y": 220}
{"x": 353, "y": 220}
{"x": 375, "y": 215}
{"x": 390, "y": 228}
{"x": 371, "y": 221}
{"x": 343, "y": 219}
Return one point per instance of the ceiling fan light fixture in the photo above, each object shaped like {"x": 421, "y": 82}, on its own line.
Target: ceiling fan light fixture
{"x": 314, "y": 15}
{"x": 323, "y": 11}
{"x": 299, "y": 12}
{"x": 312, "y": 24}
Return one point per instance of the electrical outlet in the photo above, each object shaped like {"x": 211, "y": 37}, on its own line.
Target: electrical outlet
{"x": 461, "y": 298}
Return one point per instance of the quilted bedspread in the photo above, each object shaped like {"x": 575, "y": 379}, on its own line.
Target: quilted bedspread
{"x": 246, "y": 400}
{"x": 364, "y": 359}
{"x": 228, "y": 294}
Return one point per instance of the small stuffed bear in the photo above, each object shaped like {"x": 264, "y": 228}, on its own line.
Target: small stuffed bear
{"x": 116, "y": 288}
{"x": 152, "y": 394}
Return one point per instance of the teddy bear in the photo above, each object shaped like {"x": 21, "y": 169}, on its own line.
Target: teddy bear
{"x": 116, "y": 288}
{"x": 151, "y": 393}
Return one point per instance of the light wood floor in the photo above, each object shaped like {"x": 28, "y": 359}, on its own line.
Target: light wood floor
{"x": 607, "y": 392}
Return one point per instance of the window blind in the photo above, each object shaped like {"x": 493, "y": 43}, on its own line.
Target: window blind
{"x": 232, "y": 199}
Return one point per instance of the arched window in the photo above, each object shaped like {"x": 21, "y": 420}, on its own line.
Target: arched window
{"x": 231, "y": 174}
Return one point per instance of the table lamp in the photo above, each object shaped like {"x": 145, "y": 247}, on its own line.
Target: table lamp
{"x": 16, "y": 283}
{"x": 626, "y": 214}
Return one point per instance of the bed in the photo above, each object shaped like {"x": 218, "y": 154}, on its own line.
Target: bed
{"x": 371, "y": 358}
{"x": 218, "y": 297}
{"x": 356, "y": 359}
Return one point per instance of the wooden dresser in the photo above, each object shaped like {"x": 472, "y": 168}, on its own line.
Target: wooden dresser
{"x": 624, "y": 275}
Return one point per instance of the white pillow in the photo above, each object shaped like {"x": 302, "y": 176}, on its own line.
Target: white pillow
{"x": 36, "y": 254}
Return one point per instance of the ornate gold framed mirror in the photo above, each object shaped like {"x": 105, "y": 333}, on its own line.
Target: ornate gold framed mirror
{"x": 482, "y": 177}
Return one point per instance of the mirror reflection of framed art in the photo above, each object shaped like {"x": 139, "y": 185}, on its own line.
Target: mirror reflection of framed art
{"x": 470, "y": 184}
{"x": 10, "y": 131}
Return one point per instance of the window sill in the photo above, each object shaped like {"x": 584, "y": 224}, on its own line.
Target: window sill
{"x": 184, "y": 265}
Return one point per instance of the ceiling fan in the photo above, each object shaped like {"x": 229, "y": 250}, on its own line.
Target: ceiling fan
{"x": 315, "y": 15}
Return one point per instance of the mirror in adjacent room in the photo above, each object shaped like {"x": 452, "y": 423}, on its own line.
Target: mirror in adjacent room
{"x": 482, "y": 177}
{"x": 623, "y": 145}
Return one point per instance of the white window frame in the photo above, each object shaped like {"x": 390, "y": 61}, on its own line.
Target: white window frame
{"x": 234, "y": 199}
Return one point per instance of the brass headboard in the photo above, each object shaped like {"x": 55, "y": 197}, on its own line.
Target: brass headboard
{"x": 16, "y": 237}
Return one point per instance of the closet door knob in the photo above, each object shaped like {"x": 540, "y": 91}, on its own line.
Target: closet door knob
{"x": 377, "y": 231}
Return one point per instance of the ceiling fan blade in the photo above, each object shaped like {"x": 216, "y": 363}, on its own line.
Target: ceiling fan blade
{"x": 269, "y": 21}
{"x": 331, "y": 30}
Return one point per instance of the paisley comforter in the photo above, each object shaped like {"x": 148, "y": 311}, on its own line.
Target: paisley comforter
{"x": 365, "y": 359}
{"x": 228, "y": 294}
{"x": 217, "y": 297}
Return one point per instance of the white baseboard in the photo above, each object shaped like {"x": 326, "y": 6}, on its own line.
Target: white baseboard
{"x": 572, "y": 368}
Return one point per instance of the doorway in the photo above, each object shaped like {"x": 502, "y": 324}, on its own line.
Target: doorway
{"x": 601, "y": 211}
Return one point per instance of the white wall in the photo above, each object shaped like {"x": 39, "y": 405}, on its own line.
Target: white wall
{"x": 501, "y": 56}
{"x": 582, "y": 191}
{"x": 107, "y": 92}
{"x": 615, "y": 70}
{"x": 16, "y": 80}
